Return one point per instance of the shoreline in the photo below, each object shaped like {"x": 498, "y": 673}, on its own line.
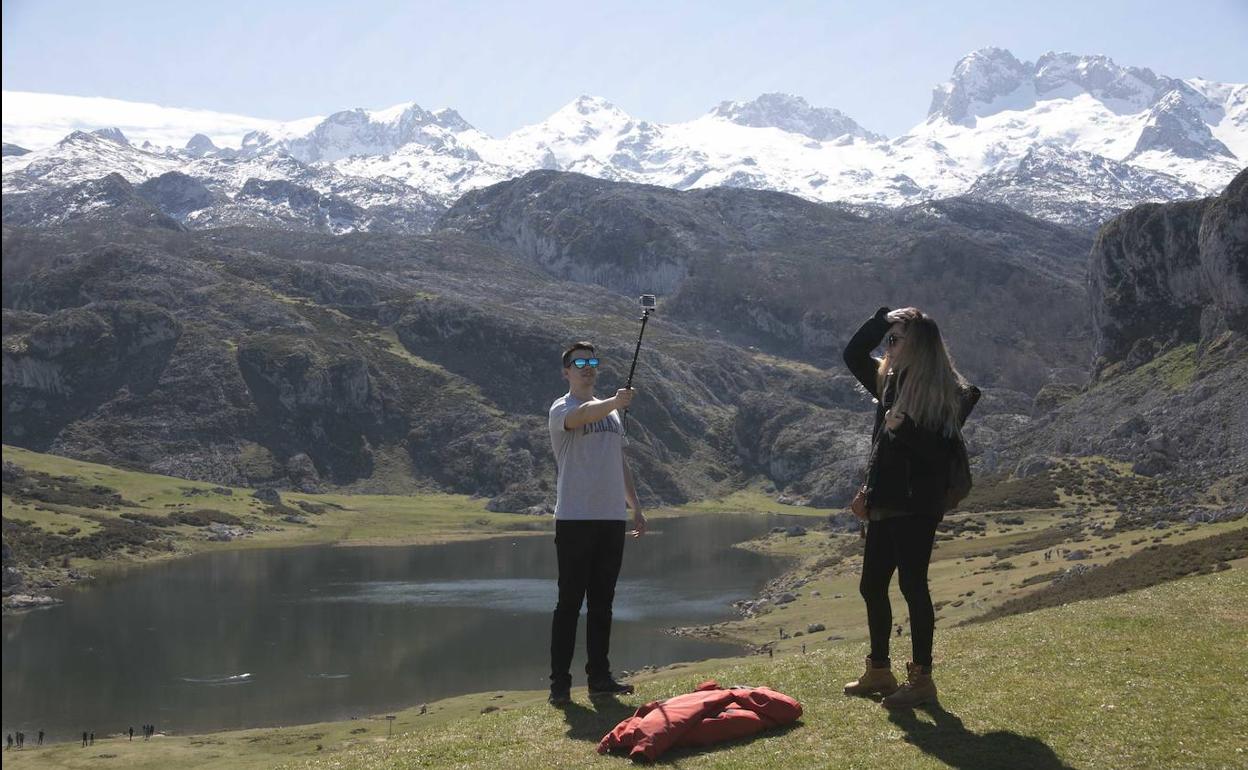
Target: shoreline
{"x": 747, "y": 648}
{"x": 237, "y": 520}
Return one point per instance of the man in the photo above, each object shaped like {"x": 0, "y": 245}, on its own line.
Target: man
{"x": 594, "y": 484}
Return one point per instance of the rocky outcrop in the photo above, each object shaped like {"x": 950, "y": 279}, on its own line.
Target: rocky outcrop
{"x": 1157, "y": 270}
{"x": 629, "y": 238}
{"x": 176, "y": 194}
{"x": 106, "y": 199}
{"x": 1170, "y": 393}
{"x": 313, "y": 396}
{"x": 781, "y": 273}
{"x": 813, "y": 453}
{"x": 60, "y": 368}
{"x": 1223, "y": 246}
{"x": 1174, "y": 126}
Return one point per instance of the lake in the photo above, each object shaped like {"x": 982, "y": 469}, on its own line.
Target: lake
{"x": 289, "y": 636}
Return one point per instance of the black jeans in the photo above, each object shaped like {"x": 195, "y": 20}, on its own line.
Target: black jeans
{"x": 903, "y": 544}
{"x": 590, "y": 553}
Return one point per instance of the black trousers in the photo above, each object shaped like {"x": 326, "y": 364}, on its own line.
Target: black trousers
{"x": 902, "y": 544}
{"x": 590, "y": 554}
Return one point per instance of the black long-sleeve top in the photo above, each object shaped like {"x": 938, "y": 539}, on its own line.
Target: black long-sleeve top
{"x": 908, "y": 472}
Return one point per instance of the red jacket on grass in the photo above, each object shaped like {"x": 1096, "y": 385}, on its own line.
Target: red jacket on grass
{"x": 703, "y": 717}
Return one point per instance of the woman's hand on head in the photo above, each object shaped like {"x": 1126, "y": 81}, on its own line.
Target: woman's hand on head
{"x": 904, "y": 315}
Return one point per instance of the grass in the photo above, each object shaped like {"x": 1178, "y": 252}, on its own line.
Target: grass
{"x": 1175, "y": 369}
{"x": 1122, "y": 682}
{"x": 1020, "y": 687}
{"x": 180, "y": 504}
{"x": 752, "y": 500}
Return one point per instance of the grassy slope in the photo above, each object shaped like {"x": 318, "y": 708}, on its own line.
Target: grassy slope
{"x": 348, "y": 519}
{"x": 1125, "y": 682}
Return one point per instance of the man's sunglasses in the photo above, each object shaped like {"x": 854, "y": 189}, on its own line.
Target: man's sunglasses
{"x": 581, "y": 363}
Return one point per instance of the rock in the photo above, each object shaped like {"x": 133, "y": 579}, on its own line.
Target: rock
{"x": 1077, "y": 555}
{"x": 815, "y": 628}
{"x": 268, "y": 496}
{"x": 1131, "y": 426}
{"x": 1075, "y": 571}
{"x": 29, "y": 601}
{"x": 1052, "y": 396}
{"x": 295, "y": 519}
{"x": 1152, "y": 465}
{"x": 302, "y": 471}
{"x": 540, "y": 510}
{"x": 795, "y": 531}
{"x": 14, "y": 581}
{"x": 1033, "y": 466}
{"x": 785, "y": 598}
{"x": 224, "y": 533}
{"x": 1223, "y": 241}
{"x": 1159, "y": 443}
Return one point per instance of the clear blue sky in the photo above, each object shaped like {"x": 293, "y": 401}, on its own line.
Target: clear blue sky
{"x": 507, "y": 64}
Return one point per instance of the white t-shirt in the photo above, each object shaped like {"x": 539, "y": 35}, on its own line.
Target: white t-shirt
{"x": 591, "y": 464}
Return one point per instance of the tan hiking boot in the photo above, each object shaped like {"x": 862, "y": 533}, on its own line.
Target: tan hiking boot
{"x": 873, "y": 680}
{"x": 918, "y": 689}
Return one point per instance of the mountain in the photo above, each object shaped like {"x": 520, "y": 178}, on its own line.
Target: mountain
{"x": 1073, "y": 138}
{"x": 1076, "y": 188}
{"x": 1168, "y": 286}
{"x": 384, "y": 361}
{"x": 273, "y": 188}
{"x": 793, "y": 114}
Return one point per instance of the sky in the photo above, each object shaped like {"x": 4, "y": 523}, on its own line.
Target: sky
{"x": 503, "y": 65}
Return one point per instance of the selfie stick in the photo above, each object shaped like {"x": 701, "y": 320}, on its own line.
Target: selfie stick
{"x": 647, "y": 307}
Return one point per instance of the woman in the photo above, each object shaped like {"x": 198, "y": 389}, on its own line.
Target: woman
{"x": 921, "y": 403}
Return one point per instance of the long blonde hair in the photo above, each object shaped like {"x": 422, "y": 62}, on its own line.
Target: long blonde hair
{"x": 931, "y": 391}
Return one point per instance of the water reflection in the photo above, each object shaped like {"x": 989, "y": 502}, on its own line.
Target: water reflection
{"x": 255, "y": 638}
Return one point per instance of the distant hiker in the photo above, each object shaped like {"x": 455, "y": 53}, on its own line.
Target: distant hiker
{"x": 131, "y": 731}
{"x": 84, "y": 739}
{"x": 41, "y": 737}
{"x": 8, "y": 741}
{"x": 92, "y": 738}
{"x": 921, "y": 403}
{"x": 594, "y": 483}
{"x": 899, "y": 630}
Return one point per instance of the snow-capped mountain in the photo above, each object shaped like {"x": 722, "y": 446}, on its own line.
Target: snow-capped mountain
{"x": 1069, "y": 138}
{"x": 201, "y": 187}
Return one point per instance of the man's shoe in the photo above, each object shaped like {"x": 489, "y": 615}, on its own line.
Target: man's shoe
{"x": 873, "y": 681}
{"x": 918, "y": 689}
{"x": 608, "y": 686}
{"x": 560, "y": 691}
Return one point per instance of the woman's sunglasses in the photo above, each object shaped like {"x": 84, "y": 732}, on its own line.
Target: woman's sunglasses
{"x": 581, "y": 363}
{"x": 893, "y": 339}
